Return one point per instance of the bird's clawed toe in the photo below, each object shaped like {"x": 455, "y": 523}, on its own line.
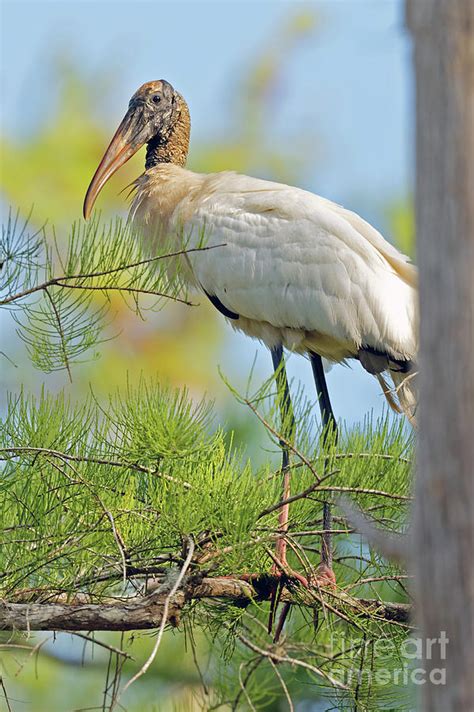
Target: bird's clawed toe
{"x": 324, "y": 577}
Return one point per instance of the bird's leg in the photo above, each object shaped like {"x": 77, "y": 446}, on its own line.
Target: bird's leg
{"x": 330, "y": 432}
{"x": 280, "y": 566}
{"x": 288, "y": 427}
{"x": 287, "y": 430}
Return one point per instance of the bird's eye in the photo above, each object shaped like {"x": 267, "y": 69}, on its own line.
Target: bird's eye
{"x": 156, "y": 98}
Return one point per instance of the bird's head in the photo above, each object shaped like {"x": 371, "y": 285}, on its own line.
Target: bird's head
{"x": 157, "y": 116}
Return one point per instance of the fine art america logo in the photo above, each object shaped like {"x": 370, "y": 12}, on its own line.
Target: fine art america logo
{"x": 412, "y": 656}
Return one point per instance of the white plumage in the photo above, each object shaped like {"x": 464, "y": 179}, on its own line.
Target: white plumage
{"x": 296, "y": 268}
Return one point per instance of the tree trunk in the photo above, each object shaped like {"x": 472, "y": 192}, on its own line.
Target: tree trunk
{"x": 443, "y": 526}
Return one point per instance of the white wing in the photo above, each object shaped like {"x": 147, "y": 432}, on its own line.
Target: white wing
{"x": 293, "y": 259}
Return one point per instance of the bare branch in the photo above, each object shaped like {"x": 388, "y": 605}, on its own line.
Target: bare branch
{"x": 146, "y": 612}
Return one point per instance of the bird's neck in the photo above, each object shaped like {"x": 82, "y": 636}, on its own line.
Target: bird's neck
{"x": 174, "y": 147}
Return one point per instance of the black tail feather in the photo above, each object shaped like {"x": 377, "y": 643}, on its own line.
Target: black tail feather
{"x": 375, "y": 361}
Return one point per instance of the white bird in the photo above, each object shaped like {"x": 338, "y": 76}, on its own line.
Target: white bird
{"x": 287, "y": 267}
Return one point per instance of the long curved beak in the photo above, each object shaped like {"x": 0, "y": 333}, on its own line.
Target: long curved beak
{"x": 130, "y": 136}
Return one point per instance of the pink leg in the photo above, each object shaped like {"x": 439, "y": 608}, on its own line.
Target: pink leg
{"x": 280, "y": 548}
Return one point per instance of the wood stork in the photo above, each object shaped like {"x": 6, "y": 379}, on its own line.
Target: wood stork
{"x": 289, "y": 268}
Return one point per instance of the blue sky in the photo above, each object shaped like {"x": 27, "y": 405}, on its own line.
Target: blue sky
{"x": 351, "y": 82}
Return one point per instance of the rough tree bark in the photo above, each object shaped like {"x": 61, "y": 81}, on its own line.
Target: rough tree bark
{"x": 443, "y": 526}
{"x": 145, "y": 612}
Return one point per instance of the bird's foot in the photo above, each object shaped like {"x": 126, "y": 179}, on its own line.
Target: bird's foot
{"x": 271, "y": 586}
{"x": 323, "y": 577}
{"x": 280, "y": 574}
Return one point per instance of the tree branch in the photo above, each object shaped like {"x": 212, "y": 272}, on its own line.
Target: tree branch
{"x": 60, "y": 280}
{"x": 141, "y": 613}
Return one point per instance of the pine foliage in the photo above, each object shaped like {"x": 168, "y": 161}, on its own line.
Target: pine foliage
{"x": 49, "y": 284}
{"x": 99, "y": 498}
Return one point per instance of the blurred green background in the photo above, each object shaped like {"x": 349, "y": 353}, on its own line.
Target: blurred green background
{"x": 315, "y": 94}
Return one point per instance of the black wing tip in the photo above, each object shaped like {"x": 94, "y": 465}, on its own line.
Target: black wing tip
{"x": 215, "y": 301}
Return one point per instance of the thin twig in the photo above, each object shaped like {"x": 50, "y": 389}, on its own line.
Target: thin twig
{"x": 107, "y": 646}
{"x": 276, "y": 657}
{"x": 293, "y": 498}
{"x": 375, "y": 579}
{"x": 243, "y": 687}
{"x": 363, "y": 490}
{"x": 283, "y": 440}
{"x": 348, "y": 456}
{"x": 61, "y": 333}
{"x": 254, "y": 663}
{"x": 93, "y": 460}
{"x": 5, "y": 694}
{"x": 283, "y": 685}
{"x": 164, "y": 618}
{"x": 118, "y": 539}
{"x": 359, "y": 674}
{"x": 116, "y": 534}
{"x": 57, "y": 281}
{"x": 129, "y": 290}
{"x": 393, "y": 546}
{"x": 190, "y": 632}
